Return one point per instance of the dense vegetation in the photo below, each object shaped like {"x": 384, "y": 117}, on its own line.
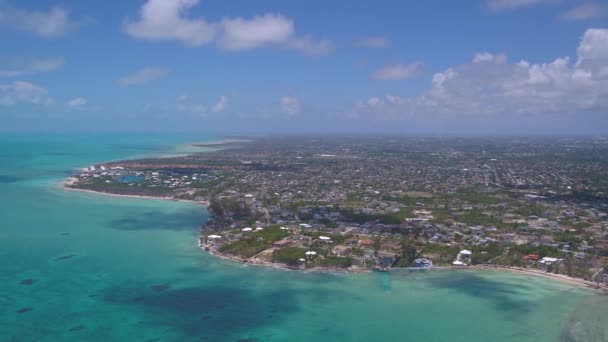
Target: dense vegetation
{"x": 256, "y": 243}
{"x": 289, "y": 255}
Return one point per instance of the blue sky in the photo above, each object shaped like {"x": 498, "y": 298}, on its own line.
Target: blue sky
{"x": 493, "y": 66}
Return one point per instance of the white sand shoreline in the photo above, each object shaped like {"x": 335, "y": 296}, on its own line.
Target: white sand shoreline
{"x": 67, "y": 188}
{"x": 539, "y": 273}
{"x": 278, "y": 266}
{"x": 536, "y": 273}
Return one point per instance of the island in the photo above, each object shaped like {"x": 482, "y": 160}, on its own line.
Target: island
{"x": 360, "y": 203}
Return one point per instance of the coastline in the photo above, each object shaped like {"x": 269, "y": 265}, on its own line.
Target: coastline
{"x": 185, "y": 149}
{"x": 261, "y": 263}
{"x": 226, "y": 141}
{"x": 257, "y": 262}
{"x": 538, "y": 273}
{"x": 67, "y": 188}
{"x": 66, "y": 185}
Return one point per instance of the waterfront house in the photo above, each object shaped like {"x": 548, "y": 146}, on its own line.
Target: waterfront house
{"x": 422, "y": 263}
{"x": 550, "y": 261}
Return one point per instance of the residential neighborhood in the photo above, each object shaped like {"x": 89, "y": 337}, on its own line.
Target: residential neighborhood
{"x": 367, "y": 202}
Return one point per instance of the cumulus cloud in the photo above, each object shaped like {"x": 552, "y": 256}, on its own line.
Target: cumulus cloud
{"x": 32, "y": 67}
{"x": 585, "y": 11}
{"x": 143, "y": 76}
{"x": 220, "y": 105}
{"x": 497, "y": 5}
{"x": 290, "y": 105}
{"x": 77, "y": 103}
{"x": 261, "y": 30}
{"x": 372, "y": 42}
{"x": 491, "y": 85}
{"x": 268, "y": 30}
{"x": 593, "y": 46}
{"x": 52, "y": 23}
{"x": 397, "y": 72}
{"x": 21, "y": 92}
{"x": 168, "y": 20}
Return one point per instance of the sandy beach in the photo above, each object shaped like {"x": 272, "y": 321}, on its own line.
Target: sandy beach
{"x": 536, "y": 273}
{"x": 65, "y": 186}
{"x": 539, "y": 273}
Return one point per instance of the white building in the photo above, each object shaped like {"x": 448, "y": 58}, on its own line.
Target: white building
{"x": 550, "y": 261}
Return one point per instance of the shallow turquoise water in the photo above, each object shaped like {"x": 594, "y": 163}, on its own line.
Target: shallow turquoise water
{"x": 87, "y": 267}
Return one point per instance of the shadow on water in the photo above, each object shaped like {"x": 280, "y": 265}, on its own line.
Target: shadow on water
{"x": 9, "y": 179}
{"x": 504, "y": 296}
{"x": 211, "y": 313}
{"x": 185, "y": 220}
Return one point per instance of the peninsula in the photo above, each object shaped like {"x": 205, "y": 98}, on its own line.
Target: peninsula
{"x": 383, "y": 202}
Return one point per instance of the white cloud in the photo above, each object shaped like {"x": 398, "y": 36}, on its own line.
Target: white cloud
{"x": 32, "y": 67}
{"x": 220, "y": 105}
{"x": 486, "y": 57}
{"x": 77, "y": 103}
{"x": 372, "y": 42}
{"x": 593, "y": 46}
{"x": 441, "y": 77}
{"x": 290, "y": 105}
{"x": 21, "y": 92}
{"x": 239, "y": 33}
{"x": 497, "y": 5}
{"x": 397, "y": 72}
{"x": 487, "y": 87}
{"x": 143, "y": 76}
{"x": 167, "y": 20}
{"x": 268, "y": 30}
{"x": 585, "y": 11}
{"x": 56, "y": 22}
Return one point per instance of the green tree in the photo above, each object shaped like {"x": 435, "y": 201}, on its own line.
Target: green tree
{"x": 408, "y": 252}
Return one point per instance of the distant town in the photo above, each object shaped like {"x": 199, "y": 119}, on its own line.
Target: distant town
{"x": 363, "y": 202}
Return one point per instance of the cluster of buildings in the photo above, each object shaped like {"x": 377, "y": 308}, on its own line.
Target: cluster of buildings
{"x": 114, "y": 178}
{"x": 379, "y": 198}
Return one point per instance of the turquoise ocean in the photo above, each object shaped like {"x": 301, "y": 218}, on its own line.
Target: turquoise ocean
{"x": 79, "y": 266}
